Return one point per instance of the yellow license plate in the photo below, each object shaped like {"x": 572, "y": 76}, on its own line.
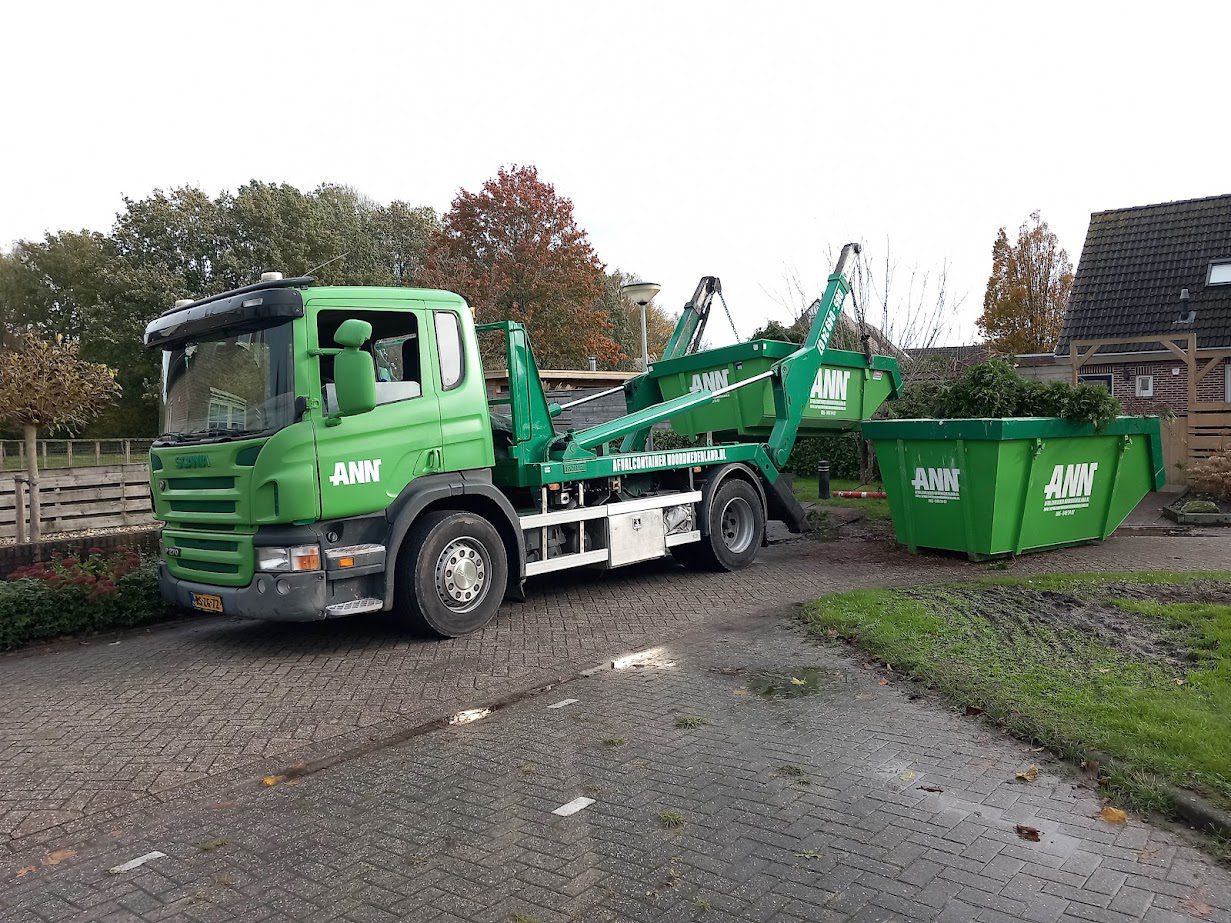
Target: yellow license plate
{"x": 207, "y": 602}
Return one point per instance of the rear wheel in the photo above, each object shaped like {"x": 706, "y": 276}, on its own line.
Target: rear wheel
{"x": 452, "y": 573}
{"x": 736, "y": 521}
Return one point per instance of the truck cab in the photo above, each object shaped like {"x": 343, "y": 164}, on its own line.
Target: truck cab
{"x": 273, "y": 498}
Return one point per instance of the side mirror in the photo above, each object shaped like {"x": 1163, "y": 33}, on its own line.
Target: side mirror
{"x": 354, "y": 375}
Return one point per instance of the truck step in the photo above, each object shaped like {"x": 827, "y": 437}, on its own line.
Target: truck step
{"x": 355, "y": 606}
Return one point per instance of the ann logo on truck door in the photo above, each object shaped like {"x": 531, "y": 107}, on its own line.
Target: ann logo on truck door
{"x": 365, "y": 471}
{"x": 829, "y": 391}
{"x": 937, "y": 485}
{"x": 1069, "y": 489}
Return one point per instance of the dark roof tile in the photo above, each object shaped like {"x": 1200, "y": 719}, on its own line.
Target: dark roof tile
{"x": 1136, "y": 261}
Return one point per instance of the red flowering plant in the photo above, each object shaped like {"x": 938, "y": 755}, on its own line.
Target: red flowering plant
{"x": 93, "y": 592}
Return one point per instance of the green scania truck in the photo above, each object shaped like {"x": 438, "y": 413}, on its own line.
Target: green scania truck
{"x": 328, "y": 451}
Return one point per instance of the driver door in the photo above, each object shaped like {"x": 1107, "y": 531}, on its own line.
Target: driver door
{"x": 365, "y": 461}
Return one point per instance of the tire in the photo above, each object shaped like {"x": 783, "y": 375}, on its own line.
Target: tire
{"x": 736, "y": 521}
{"x": 452, "y": 573}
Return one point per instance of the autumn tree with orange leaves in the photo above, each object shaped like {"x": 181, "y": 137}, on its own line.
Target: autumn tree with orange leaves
{"x": 1023, "y": 310}
{"x": 514, "y": 251}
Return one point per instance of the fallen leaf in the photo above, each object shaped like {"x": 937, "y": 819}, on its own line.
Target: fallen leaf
{"x": 271, "y": 780}
{"x": 212, "y": 845}
{"x": 796, "y": 681}
{"x": 1104, "y": 669}
{"x": 22, "y": 873}
{"x": 1037, "y": 749}
{"x": 1196, "y": 908}
{"x": 1113, "y": 815}
{"x": 1027, "y": 833}
{"x": 1028, "y": 775}
{"x": 972, "y": 710}
{"x": 907, "y": 776}
{"x": 58, "y": 856}
{"x": 1179, "y": 682}
{"x": 931, "y": 788}
{"x": 884, "y": 682}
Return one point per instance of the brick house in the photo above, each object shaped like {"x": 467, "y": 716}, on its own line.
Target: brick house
{"x": 1149, "y": 318}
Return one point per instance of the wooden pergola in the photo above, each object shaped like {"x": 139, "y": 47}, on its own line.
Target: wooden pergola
{"x": 1208, "y": 428}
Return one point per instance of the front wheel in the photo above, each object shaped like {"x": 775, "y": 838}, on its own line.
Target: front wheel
{"x": 452, "y": 572}
{"x": 736, "y": 521}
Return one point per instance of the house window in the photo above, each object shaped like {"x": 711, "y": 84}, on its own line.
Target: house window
{"x": 1145, "y": 385}
{"x": 1220, "y": 273}
{"x": 1103, "y": 381}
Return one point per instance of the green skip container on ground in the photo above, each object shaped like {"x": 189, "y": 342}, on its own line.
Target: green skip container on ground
{"x": 1003, "y": 486}
{"x": 848, "y": 388}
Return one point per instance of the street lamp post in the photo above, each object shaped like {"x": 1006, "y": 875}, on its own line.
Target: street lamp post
{"x": 641, "y": 294}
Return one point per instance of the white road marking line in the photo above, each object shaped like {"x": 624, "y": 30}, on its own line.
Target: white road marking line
{"x": 577, "y": 804}
{"x": 562, "y": 703}
{"x": 137, "y": 862}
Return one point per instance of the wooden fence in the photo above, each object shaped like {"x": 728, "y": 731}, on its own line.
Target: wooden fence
{"x": 79, "y": 498}
{"x": 72, "y": 453}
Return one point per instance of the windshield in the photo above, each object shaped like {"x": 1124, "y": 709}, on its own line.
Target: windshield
{"x": 230, "y": 386}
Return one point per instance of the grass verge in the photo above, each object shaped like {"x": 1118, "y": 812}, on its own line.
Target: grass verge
{"x": 806, "y": 492}
{"x": 1135, "y": 666}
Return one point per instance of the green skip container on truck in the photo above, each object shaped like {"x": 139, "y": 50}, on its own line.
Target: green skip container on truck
{"x": 328, "y": 451}
{"x": 849, "y": 387}
{"x": 1003, "y": 486}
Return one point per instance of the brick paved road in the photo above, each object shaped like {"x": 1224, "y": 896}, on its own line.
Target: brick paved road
{"x": 94, "y": 731}
{"x": 823, "y": 807}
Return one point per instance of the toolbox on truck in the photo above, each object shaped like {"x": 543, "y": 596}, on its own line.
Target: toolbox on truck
{"x": 1003, "y": 486}
{"x": 848, "y": 388}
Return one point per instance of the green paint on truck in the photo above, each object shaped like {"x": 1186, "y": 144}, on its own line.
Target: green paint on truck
{"x": 335, "y": 451}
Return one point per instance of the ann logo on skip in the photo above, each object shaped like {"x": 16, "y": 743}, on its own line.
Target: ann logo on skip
{"x": 1069, "y": 489}
{"x": 937, "y": 485}
{"x": 709, "y": 381}
{"x": 365, "y": 471}
{"x": 829, "y": 391}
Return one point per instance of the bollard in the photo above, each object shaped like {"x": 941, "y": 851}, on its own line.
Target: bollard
{"x": 822, "y": 480}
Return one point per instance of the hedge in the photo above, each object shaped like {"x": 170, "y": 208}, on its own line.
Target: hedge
{"x": 75, "y": 595}
{"x": 840, "y": 449}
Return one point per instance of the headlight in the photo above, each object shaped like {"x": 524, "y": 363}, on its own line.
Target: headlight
{"x": 273, "y": 559}
{"x": 299, "y": 558}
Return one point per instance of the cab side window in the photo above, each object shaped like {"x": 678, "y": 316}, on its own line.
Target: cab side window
{"x": 449, "y": 349}
{"x": 395, "y": 349}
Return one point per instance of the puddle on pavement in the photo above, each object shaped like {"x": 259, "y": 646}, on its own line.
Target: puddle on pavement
{"x": 789, "y": 684}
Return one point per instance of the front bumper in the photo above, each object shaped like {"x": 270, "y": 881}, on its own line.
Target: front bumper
{"x": 272, "y": 597}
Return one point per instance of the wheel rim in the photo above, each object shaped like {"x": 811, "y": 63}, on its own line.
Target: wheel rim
{"x": 462, "y": 574}
{"x": 738, "y": 525}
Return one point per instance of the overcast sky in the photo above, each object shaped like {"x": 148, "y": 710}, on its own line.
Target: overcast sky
{"x": 739, "y": 139}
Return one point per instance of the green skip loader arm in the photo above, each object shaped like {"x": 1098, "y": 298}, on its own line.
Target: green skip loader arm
{"x": 792, "y": 379}
{"x": 794, "y": 376}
